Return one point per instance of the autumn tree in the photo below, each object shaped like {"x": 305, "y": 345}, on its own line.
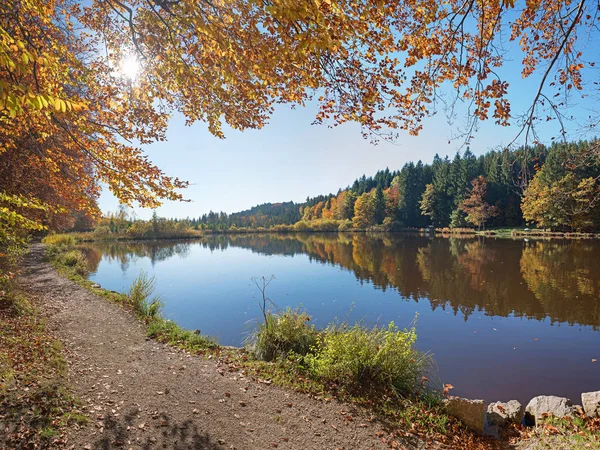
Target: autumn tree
{"x": 567, "y": 204}
{"x": 364, "y": 211}
{"x": 379, "y": 207}
{"x": 71, "y": 112}
{"x": 476, "y": 208}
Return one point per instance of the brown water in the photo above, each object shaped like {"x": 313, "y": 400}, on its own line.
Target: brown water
{"x": 503, "y": 318}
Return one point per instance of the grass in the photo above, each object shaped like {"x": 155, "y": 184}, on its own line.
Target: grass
{"x": 59, "y": 239}
{"x": 354, "y": 358}
{"x": 139, "y": 298}
{"x": 282, "y": 334}
{"x": 103, "y": 234}
{"x": 378, "y": 359}
{"x": 566, "y": 433}
{"x": 36, "y": 403}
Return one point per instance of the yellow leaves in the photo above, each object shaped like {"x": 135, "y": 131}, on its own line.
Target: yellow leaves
{"x": 57, "y": 104}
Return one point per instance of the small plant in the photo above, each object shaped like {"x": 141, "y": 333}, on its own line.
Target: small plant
{"x": 282, "y": 334}
{"x": 377, "y": 358}
{"x": 75, "y": 260}
{"x": 139, "y": 294}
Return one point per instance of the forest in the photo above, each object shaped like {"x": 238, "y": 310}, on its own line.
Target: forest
{"x": 554, "y": 187}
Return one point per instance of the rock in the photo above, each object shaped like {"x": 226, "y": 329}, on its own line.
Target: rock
{"x": 591, "y": 403}
{"x": 501, "y": 414}
{"x": 470, "y": 412}
{"x": 96, "y": 286}
{"x": 549, "y": 404}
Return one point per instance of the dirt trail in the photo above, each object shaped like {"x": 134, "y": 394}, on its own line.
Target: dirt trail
{"x": 143, "y": 394}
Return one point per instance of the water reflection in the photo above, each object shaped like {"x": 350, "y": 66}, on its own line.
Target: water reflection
{"x": 559, "y": 280}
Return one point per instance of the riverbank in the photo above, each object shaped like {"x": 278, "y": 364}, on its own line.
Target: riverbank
{"x": 118, "y": 369}
{"x": 126, "y": 381}
{"x": 457, "y": 233}
{"x": 125, "y": 378}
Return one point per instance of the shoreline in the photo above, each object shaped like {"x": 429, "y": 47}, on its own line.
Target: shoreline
{"x": 94, "y": 318}
{"x": 513, "y": 233}
{"x": 151, "y": 389}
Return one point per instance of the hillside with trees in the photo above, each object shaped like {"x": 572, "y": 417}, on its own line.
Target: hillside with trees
{"x": 555, "y": 187}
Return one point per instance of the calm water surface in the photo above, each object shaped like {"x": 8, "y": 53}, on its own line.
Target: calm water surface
{"x": 504, "y": 319}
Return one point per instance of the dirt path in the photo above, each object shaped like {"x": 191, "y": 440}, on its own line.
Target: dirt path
{"x": 143, "y": 394}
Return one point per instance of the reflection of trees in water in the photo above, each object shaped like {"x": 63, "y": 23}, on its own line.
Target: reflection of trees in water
{"x": 555, "y": 279}
{"x": 564, "y": 278}
{"x": 542, "y": 279}
{"x": 126, "y": 252}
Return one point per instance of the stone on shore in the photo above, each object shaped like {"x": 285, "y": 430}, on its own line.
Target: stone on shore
{"x": 470, "y": 412}
{"x": 591, "y": 403}
{"x": 501, "y": 414}
{"x": 549, "y": 404}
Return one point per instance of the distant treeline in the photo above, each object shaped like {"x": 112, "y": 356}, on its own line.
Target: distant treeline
{"x": 556, "y": 187}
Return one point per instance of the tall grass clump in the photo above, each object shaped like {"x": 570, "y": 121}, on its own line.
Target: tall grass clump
{"x": 139, "y": 297}
{"x": 282, "y": 334}
{"x": 65, "y": 240}
{"x": 377, "y": 358}
{"x": 75, "y": 260}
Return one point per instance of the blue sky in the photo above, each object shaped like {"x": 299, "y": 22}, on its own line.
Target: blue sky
{"x": 291, "y": 159}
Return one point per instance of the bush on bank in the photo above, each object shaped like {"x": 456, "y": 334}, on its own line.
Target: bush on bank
{"x": 356, "y": 358}
{"x": 282, "y": 334}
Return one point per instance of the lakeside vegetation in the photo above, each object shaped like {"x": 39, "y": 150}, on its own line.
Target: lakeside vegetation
{"x": 377, "y": 368}
{"x": 389, "y": 378}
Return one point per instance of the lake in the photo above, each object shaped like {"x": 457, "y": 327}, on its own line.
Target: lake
{"x": 504, "y": 319}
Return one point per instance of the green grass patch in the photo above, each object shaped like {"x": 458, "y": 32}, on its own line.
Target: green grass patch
{"x": 169, "y": 332}
{"x": 139, "y": 298}
{"x": 577, "y": 432}
{"x": 380, "y": 359}
{"x": 59, "y": 239}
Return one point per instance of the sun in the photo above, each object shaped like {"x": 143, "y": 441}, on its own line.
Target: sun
{"x": 129, "y": 67}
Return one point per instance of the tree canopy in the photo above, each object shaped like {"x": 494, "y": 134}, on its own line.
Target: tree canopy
{"x": 72, "y": 117}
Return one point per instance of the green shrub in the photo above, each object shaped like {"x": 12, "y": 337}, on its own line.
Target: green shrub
{"x": 139, "y": 297}
{"x": 75, "y": 260}
{"x": 102, "y": 232}
{"x": 282, "y": 334}
{"x": 369, "y": 358}
{"x": 301, "y": 226}
{"x": 140, "y": 229}
{"x": 167, "y": 331}
{"x": 59, "y": 240}
{"x": 345, "y": 225}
